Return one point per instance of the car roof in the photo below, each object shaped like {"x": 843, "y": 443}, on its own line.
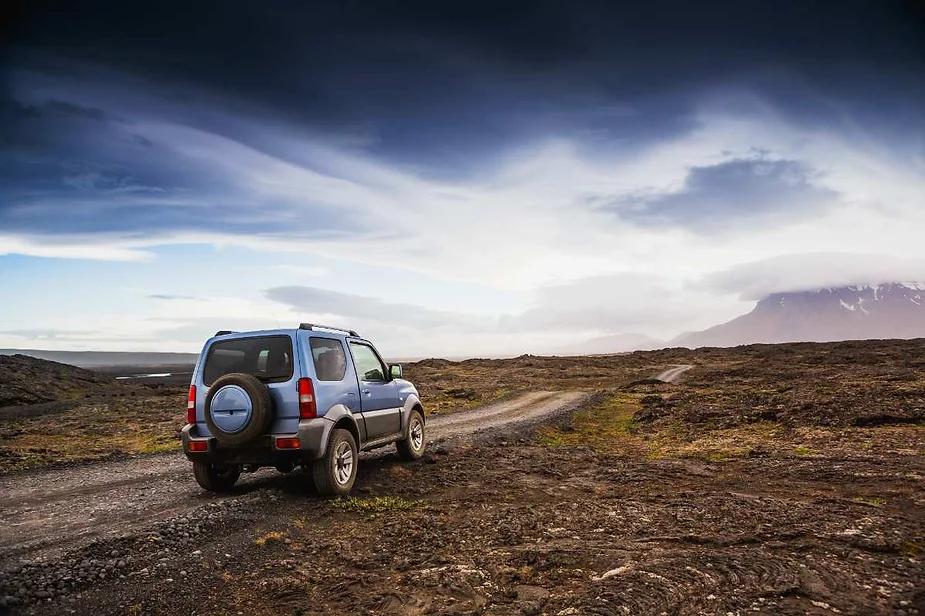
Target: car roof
{"x": 322, "y": 332}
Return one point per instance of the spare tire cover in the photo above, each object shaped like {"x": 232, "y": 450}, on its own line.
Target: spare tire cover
{"x": 238, "y": 408}
{"x": 231, "y": 409}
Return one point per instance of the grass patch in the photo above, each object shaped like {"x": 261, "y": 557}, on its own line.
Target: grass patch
{"x": 607, "y": 426}
{"x": 271, "y": 537}
{"x": 803, "y": 450}
{"x": 375, "y": 504}
{"x": 876, "y": 501}
{"x": 723, "y": 455}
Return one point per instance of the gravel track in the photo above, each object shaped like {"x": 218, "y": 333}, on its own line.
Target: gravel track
{"x": 48, "y": 512}
{"x": 673, "y": 374}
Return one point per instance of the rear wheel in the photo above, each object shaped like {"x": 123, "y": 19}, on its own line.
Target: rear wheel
{"x": 215, "y": 478}
{"x": 336, "y": 471}
{"x": 413, "y": 445}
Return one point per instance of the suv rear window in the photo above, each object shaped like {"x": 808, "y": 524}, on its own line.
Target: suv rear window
{"x": 269, "y": 358}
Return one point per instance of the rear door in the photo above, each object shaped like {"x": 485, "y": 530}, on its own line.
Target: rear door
{"x": 379, "y": 404}
{"x": 269, "y": 357}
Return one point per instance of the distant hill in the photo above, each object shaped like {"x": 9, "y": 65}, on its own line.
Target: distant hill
{"x": 892, "y": 310}
{"x": 27, "y": 380}
{"x": 97, "y": 359}
{"x": 619, "y": 343}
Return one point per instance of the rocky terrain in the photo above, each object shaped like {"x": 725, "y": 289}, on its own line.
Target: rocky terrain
{"x": 783, "y": 479}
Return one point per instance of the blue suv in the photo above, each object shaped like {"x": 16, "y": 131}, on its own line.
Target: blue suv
{"x": 314, "y": 396}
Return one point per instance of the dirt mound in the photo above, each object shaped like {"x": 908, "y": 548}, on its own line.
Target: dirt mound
{"x": 27, "y": 380}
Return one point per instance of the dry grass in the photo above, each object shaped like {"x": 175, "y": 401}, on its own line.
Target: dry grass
{"x": 270, "y": 538}
{"x": 92, "y": 431}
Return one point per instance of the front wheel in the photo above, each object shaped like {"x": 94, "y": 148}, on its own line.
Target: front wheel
{"x": 412, "y": 446}
{"x": 336, "y": 471}
{"x": 215, "y": 478}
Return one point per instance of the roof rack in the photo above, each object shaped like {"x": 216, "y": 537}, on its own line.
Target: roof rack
{"x": 312, "y": 326}
{"x": 224, "y": 332}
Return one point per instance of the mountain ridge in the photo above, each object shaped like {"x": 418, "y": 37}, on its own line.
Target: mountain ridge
{"x": 855, "y": 312}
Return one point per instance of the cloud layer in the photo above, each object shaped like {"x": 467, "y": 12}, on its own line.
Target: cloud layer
{"x": 806, "y": 272}
{"x": 467, "y": 175}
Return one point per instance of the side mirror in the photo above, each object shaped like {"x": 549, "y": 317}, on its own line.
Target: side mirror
{"x": 395, "y": 371}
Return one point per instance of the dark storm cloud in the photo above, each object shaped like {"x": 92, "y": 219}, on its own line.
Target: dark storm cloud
{"x": 432, "y": 83}
{"x": 447, "y": 89}
{"x": 722, "y": 196}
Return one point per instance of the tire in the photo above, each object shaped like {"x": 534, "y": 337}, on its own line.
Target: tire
{"x": 412, "y": 447}
{"x": 215, "y": 478}
{"x": 331, "y": 476}
{"x": 261, "y": 408}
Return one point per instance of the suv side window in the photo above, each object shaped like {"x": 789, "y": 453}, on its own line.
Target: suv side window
{"x": 330, "y": 360}
{"x": 369, "y": 366}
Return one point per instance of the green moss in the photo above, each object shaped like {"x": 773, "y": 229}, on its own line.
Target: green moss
{"x": 729, "y": 454}
{"x": 803, "y": 450}
{"x": 611, "y": 418}
{"x": 375, "y": 504}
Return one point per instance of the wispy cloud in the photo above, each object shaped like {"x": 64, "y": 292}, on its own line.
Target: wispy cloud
{"x": 169, "y": 297}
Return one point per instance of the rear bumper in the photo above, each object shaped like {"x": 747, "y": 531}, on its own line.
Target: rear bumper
{"x": 312, "y": 434}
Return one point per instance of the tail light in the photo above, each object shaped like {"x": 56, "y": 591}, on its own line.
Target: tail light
{"x": 307, "y": 408}
{"x": 288, "y": 443}
{"x": 191, "y": 405}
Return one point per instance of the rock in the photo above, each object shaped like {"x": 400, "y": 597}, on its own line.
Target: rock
{"x": 121, "y": 564}
{"x": 530, "y": 608}
{"x": 531, "y": 593}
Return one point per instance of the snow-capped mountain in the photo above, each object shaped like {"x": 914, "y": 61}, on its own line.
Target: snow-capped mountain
{"x": 891, "y": 310}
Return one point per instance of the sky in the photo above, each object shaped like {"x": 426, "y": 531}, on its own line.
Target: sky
{"x": 449, "y": 179}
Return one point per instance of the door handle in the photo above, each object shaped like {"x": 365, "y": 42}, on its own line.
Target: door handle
{"x": 349, "y": 393}
{"x": 366, "y": 391}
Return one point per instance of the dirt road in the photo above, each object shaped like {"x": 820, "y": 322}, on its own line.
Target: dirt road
{"x": 671, "y": 375}
{"x": 48, "y": 512}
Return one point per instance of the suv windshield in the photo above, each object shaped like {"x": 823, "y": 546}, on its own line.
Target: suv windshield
{"x": 269, "y": 358}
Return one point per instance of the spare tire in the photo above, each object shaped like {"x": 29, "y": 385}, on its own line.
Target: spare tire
{"x": 238, "y": 408}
